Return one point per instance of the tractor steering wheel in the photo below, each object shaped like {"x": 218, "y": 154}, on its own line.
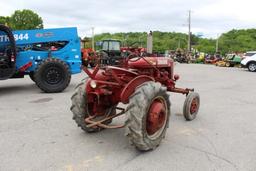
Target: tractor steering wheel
{"x": 133, "y": 58}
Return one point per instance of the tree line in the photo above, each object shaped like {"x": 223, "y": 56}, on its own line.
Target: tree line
{"x": 233, "y": 41}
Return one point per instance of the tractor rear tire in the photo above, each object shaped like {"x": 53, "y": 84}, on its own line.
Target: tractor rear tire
{"x": 191, "y": 106}
{"x": 80, "y": 110}
{"x": 52, "y": 75}
{"x": 140, "y": 131}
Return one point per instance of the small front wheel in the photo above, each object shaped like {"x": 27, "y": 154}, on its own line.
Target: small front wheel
{"x": 191, "y": 106}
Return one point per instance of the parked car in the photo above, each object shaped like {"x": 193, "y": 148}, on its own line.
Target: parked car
{"x": 249, "y": 61}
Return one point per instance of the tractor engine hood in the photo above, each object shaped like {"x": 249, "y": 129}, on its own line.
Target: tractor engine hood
{"x": 147, "y": 62}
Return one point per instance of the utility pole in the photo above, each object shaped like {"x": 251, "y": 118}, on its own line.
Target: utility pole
{"x": 92, "y": 38}
{"x": 189, "y": 32}
{"x": 217, "y": 43}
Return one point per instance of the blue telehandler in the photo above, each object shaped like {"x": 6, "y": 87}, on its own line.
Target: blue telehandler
{"x": 48, "y": 56}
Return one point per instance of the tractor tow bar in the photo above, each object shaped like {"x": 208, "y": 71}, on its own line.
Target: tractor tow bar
{"x": 100, "y": 122}
{"x": 181, "y": 90}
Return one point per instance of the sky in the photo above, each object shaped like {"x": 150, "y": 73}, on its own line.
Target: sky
{"x": 208, "y": 17}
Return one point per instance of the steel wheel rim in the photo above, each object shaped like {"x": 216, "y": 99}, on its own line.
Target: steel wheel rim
{"x": 252, "y": 67}
{"x": 156, "y": 117}
{"x": 194, "y": 106}
{"x": 53, "y": 75}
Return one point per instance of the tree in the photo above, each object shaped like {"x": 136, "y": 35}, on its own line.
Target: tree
{"x": 25, "y": 19}
{"x": 4, "y": 20}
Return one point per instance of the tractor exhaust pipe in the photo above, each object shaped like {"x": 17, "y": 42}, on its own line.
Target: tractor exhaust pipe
{"x": 150, "y": 43}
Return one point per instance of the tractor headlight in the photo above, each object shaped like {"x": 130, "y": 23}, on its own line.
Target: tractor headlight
{"x": 93, "y": 84}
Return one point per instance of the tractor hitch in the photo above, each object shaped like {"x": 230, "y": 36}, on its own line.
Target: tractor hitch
{"x": 181, "y": 90}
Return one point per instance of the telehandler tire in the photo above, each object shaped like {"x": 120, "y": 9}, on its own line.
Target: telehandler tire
{"x": 52, "y": 75}
{"x": 8, "y": 65}
{"x": 32, "y": 76}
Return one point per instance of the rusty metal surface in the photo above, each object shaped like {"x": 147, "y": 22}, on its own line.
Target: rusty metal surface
{"x": 156, "y": 117}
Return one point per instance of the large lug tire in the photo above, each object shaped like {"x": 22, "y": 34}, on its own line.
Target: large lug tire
{"x": 7, "y": 64}
{"x": 52, "y": 75}
{"x": 191, "y": 106}
{"x": 252, "y": 66}
{"x": 32, "y": 76}
{"x": 80, "y": 110}
{"x": 148, "y": 114}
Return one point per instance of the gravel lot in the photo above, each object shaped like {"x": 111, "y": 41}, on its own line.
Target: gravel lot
{"x": 37, "y": 131}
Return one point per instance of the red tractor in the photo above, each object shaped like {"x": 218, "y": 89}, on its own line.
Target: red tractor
{"x": 134, "y": 49}
{"x": 143, "y": 84}
{"x": 89, "y": 56}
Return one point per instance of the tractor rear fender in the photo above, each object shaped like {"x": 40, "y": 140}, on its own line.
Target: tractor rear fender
{"x": 129, "y": 89}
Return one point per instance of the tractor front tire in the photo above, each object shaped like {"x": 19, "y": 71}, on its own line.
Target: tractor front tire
{"x": 148, "y": 114}
{"x": 191, "y": 106}
{"x": 52, "y": 75}
{"x": 80, "y": 110}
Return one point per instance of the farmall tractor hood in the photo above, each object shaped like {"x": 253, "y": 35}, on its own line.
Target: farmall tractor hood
{"x": 147, "y": 62}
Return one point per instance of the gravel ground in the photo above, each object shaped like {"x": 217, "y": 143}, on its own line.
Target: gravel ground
{"x": 37, "y": 131}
